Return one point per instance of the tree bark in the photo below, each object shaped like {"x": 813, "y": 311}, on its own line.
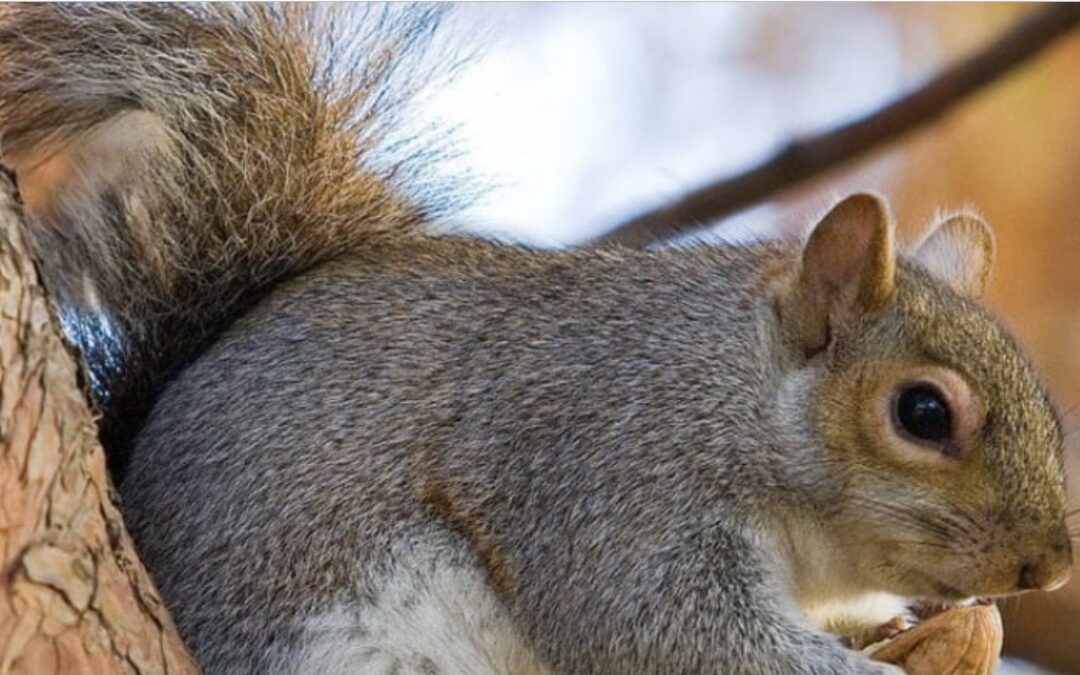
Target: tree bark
{"x": 73, "y": 595}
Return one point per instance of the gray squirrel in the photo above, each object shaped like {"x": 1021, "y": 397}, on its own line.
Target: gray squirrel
{"x": 345, "y": 444}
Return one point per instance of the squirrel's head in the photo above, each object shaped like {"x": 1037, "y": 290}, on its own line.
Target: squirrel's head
{"x": 936, "y": 450}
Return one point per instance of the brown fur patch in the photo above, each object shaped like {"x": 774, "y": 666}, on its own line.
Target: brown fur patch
{"x": 473, "y": 528}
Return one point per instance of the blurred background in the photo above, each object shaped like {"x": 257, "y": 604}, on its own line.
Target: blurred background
{"x": 580, "y": 115}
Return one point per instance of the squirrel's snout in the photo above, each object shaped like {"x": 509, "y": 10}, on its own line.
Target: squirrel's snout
{"x": 1042, "y": 577}
{"x": 1047, "y": 571}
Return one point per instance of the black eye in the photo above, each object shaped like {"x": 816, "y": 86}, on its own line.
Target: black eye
{"x": 921, "y": 412}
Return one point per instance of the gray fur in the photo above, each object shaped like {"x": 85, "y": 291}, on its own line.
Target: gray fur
{"x": 525, "y": 390}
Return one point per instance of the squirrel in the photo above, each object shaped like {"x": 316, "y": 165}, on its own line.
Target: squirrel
{"x": 349, "y": 444}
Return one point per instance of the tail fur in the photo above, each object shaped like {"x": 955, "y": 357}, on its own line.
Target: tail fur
{"x": 176, "y": 162}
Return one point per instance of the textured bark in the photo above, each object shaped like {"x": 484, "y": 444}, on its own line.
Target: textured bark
{"x": 73, "y": 595}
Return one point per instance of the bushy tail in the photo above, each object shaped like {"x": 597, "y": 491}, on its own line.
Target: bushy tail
{"x": 178, "y": 161}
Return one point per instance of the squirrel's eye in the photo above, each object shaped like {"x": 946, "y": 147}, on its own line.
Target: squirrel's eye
{"x": 920, "y": 412}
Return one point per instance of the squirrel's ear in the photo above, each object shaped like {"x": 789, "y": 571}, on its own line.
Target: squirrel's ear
{"x": 960, "y": 252}
{"x": 848, "y": 268}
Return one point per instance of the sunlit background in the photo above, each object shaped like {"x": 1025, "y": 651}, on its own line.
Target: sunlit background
{"x": 581, "y": 115}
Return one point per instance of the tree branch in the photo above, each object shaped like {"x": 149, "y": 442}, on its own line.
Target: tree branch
{"x": 74, "y": 597}
{"x": 813, "y": 156}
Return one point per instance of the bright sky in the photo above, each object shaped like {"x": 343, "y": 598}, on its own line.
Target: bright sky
{"x": 585, "y": 114}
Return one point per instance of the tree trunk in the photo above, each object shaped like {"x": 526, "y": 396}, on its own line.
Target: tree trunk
{"x": 73, "y": 595}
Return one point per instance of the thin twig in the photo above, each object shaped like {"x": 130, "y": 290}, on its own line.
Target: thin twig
{"x": 813, "y": 156}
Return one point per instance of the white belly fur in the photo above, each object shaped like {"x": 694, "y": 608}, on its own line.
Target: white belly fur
{"x": 433, "y": 620}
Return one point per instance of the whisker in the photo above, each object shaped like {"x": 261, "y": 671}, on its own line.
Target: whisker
{"x": 947, "y": 527}
{"x": 903, "y": 516}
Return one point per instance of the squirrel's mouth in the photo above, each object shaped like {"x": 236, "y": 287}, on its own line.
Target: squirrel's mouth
{"x": 938, "y": 589}
{"x": 947, "y": 592}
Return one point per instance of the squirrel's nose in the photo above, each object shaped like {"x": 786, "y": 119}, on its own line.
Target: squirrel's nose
{"x": 1048, "y": 571}
{"x": 1042, "y": 577}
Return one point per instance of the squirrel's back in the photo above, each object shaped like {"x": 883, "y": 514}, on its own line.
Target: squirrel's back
{"x": 357, "y": 397}
{"x": 176, "y": 162}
